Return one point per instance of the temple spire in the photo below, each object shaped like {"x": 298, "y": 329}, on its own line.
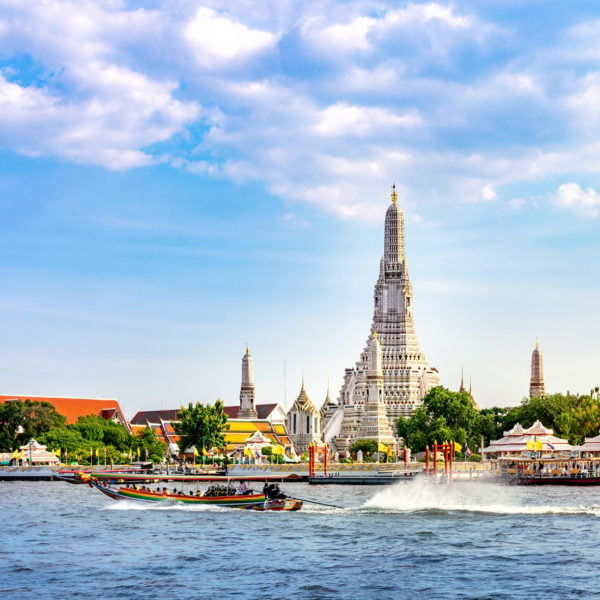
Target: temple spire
{"x": 392, "y": 375}
{"x": 462, "y": 380}
{"x": 536, "y": 383}
{"x": 247, "y": 408}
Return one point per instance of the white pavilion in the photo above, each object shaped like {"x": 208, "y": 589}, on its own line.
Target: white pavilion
{"x": 519, "y": 440}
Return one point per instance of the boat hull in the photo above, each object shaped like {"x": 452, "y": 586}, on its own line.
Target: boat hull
{"x": 287, "y": 504}
{"x": 573, "y": 481}
{"x": 123, "y": 493}
{"x": 362, "y": 479}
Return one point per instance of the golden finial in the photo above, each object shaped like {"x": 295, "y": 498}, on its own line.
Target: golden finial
{"x": 394, "y": 194}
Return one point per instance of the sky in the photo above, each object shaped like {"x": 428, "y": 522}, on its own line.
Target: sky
{"x": 180, "y": 180}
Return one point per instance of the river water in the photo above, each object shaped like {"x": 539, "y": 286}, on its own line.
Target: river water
{"x": 411, "y": 540}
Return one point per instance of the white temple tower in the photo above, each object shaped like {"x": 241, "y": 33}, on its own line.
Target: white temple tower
{"x": 247, "y": 398}
{"x": 536, "y": 383}
{"x": 406, "y": 375}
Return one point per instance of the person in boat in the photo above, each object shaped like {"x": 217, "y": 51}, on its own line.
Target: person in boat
{"x": 273, "y": 492}
{"x": 242, "y": 488}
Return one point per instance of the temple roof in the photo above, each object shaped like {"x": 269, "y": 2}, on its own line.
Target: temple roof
{"x": 73, "y": 408}
{"x": 519, "y": 439}
{"x": 303, "y": 403}
{"x": 154, "y": 416}
{"x": 263, "y": 410}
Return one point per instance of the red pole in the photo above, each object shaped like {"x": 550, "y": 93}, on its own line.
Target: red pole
{"x": 311, "y": 461}
{"x": 326, "y": 448}
{"x": 435, "y": 446}
{"x": 405, "y": 457}
{"x": 427, "y": 460}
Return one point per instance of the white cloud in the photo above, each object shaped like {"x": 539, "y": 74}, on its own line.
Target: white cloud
{"x": 340, "y": 38}
{"x": 488, "y": 193}
{"x": 585, "y": 203}
{"x": 584, "y": 104}
{"x": 360, "y": 121}
{"x": 87, "y": 104}
{"x": 217, "y": 39}
{"x": 108, "y": 83}
{"x": 121, "y": 113}
{"x": 413, "y": 25}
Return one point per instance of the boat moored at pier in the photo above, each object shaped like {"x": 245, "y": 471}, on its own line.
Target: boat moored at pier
{"x": 549, "y": 471}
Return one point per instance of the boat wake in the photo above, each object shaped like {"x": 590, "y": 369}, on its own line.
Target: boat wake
{"x": 162, "y": 506}
{"x": 427, "y": 496}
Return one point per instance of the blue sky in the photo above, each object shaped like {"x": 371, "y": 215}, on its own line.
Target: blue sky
{"x": 181, "y": 179}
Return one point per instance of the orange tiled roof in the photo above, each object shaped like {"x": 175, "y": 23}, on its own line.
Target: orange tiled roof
{"x": 73, "y": 408}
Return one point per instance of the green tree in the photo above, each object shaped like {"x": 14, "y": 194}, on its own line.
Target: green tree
{"x": 97, "y": 429}
{"x": 491, "y": 422}
{"x": 147, "y": 440}
{"x": 63, "y": 438}
{"x": 444, "y": 416}
{"x": 90, "y": 432}
{"x": 91, "y": 427}
{"x": 201, "y": 426}
{"x": 367, "y": 447}
{"x": 543, "y": 408}
{"x": 21, "y": 421}
{"x": 10, "y": 422}
{"x": 585, "y": 420}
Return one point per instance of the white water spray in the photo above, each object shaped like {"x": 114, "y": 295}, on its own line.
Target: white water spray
{"x": 428, "y": 495}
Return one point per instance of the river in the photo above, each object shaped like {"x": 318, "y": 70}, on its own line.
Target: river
{"x": 413, "y": 540}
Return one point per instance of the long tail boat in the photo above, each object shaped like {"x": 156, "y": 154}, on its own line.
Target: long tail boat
{"x": 125, "y": 493}
{"x": 218, "y": 497}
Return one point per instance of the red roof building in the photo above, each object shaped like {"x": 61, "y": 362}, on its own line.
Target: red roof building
{"x": 73, "y": 408}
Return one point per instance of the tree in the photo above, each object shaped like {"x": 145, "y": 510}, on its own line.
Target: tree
{"x": 97, "y": 429}
{"x": 201, "y": 426}
{"x": 492, "y": 423}
{"x": 542, "y": 408}
{"x": 367, "y": 447}
{"x": 585, "y": 420}
{"x": 147, "y": 440}
{"x": 21, "y": 421}
{"x": 91, "y": 428}
{"x": 444, "y": 416}
{"x": 64, "y": 438}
